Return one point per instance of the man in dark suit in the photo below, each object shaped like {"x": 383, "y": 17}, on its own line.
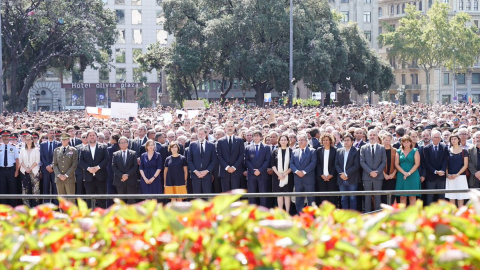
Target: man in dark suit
{"x": 373, "y": 160}
{"x": 315, "y": 134}
{"x": 257, "y": 160}
{"x": 124, "y": 167}
{"x": 201, "y": 162}
{"x": 231, "y": 152}
{"x": 93, "y": 160}
{"x": 473, "y": 162}
{"x": 112, "y": 148}
{"x": 435, "y": 155}
{"x": 46, "y": 157}
{"x": 136, "y": 144}
{"x": 303, "y": 164}
{"x": 79, "y": 173}
{"x": 347, "y": 165}
{"x": 150, "y": 136}
{"x": 73, "y": 141}
{"x": 359, "y": 142}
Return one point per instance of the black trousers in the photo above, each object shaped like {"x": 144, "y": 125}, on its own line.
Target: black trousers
{"x": 96, "y": 187}
{"x": 124, "y": 188}
{"x": 8, "y": 185}
{"x": 49, "y": 185}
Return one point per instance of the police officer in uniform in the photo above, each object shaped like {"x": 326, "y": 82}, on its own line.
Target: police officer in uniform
{"x": 8, "y": 171}
{"x": 65, "y": 161}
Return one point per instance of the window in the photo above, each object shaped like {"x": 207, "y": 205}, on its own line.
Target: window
{"x": 475, "y": 22}
{"x": 101, "y": 97}
{"x": 120, "y": 55}
{"x": 446, "y": 78}
{"x": 345, "y": 17}
{"x": 135, "y": 54}
{"x": 392, "y": 9}
{"x": 136, "y": 16}
{"x": 414, "y": 79}
{"x": 120, "y": 75}
{"x": 137, "y": 74}
{"x": 445, "y": 99}
{"x": 120, "y": 16}
{"x": 468, "y": 5}
{"x": 74, "y": 97}
{"x": 136, "y": 2}
{"x": 475, "y": 5}
{"x": 430, "y": 3}
{"x": 416, "y": 98}
{"x": 368, "y": 1}
{"x": 380, "y": 12}
{"x": 461, "y": 78}
{"x": 160, "y": 17}
{"x": 445, "y": 1}
{"x": 121, "y": 36}
{"x": 460, "y": 4}
{"x": 137, "y": 36}
{"x": 344, "y": 1}
{"x": 103, "y": 74}
{"x": 420, "y": 5}
{"x": 380, "y": 30}
{"x": 367, "y": 16}
{"x": 404, "y": 79}
{"x": 119, "y": 2}
{"x": 368, "y": 35}
{"x": 392, "y": 61}
{"x": 398, "y": 9}
{"x": 162, "y": 37}
{"x": 475, "y": 78}
{"x": 403, "y": 8}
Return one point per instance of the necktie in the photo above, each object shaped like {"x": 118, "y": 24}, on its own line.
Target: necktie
{"x": 71, "y": 142}
{"x": 436, "y": 151}
{"x": 302, "y": 153}
{"x": 124, "y": 158}
{"x": 201, "y": 149}
{"x": 5, "y": 163}
{"x": 50, "y": 148}
{"x": 64, "y": 149}
{"x": 373, "y": 151}
{"x": 230, "y": 143}
{"x": 256, "y": 151}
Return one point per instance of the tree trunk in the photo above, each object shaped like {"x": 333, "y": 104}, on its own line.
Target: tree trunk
{"x": 427, "y": 74}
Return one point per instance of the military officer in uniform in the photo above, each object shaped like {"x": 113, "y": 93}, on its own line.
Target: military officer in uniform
{"x": 8, "y": 170}
{"x": 65, "y": 161}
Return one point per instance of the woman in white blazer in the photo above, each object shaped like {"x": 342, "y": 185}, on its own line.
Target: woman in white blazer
{"x": 29, "y": 166}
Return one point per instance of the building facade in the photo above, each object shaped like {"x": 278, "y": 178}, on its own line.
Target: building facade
{"x": 410, "y": 80}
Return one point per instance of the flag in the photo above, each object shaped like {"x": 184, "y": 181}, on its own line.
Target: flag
{"x": 470, "y": 101}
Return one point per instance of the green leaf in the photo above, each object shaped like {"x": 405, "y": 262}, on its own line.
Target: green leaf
{"x": 223, "y": 202}
{"x": 107, "y": 260}
{"x": 83, "y": 207}
{"x": 53, "y": 237}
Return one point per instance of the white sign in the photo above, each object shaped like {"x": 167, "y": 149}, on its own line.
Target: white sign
{"x": 317, "y": 95}
{"x": 192, "y": 113}
{"x": 124, "y": 110}
{"x": 333, "y": 96}
{"x": 167, "y": 118}
{"x": 267, "y": 97}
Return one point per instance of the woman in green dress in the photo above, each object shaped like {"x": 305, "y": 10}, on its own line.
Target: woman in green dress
{"x": 407, "y": 161}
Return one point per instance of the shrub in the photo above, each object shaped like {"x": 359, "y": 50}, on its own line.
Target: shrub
{"x": 228, "y": 234}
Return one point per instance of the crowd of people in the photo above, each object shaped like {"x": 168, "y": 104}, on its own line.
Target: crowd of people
{"x": 221, "y": 148}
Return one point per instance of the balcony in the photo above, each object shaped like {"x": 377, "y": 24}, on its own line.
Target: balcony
{"x": 413, "y": 87}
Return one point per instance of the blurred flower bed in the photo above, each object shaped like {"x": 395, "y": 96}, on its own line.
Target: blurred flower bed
{"x": 225, "y": 233}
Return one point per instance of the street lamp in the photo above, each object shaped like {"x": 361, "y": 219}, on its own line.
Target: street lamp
{"x": 37, "y": 97}
{"x": 59, "y": 104}
{"x": 290, "y": 72}
{"x": 454, "y": 86}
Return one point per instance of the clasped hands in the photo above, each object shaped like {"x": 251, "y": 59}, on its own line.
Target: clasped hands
{"x": 201, "y": 174}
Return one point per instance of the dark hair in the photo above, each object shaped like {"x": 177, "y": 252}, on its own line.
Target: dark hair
{"x": 314, "y": 132}
{"x": 348, "y": 135}
{"x": 286, "y": 136}
{"x": 174, "y": 143}
{"x": 406, "y": 138}
{"x": 456, "y": 136}
{"x": 257, "y": 132}
{"x": 115, "y": 137}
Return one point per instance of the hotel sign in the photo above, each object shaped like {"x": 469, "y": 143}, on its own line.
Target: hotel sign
{"x": 102, "y": 85}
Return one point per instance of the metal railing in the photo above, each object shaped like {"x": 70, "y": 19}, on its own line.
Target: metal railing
{"x": 388, "y": 193}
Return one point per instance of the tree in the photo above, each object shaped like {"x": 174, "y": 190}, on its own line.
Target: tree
{"x": 427, "y": 40}
{"x": 38, "y": 35}
{"x": 143, "y": 94}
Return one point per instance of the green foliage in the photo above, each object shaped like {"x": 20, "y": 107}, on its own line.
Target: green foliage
{"x": 225, "y": 233}
{"x": 249, "y": 41}
{"x": 38, "y": 35}
{"x": 433, "y": 39}
{"x": 306, "y": 102}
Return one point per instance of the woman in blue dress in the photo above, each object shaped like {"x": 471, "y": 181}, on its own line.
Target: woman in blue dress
{"x": 407, "y": 161}
{"x": 456, "y": 171}
{"x": 150, "y": 168}
{"x": 175, "y": 172}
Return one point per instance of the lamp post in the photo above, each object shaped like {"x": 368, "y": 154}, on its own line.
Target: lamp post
{"x": 1, "y": 62}
{"x": 37, "y": 97}
{"x": 34, "y": 101}
{"x": 59, "y": 104}
{"x": 454, "y": 86}
{"x": 290, "y": 73}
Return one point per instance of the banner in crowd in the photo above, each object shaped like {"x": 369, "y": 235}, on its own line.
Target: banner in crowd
{"x": 99, "y": 113}
{"x": 124, "y": 110}
{"x": 267, "y": 97}
{"x": 193, "y": 104}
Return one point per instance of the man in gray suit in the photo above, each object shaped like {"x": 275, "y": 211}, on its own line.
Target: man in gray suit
{"x": 473, "y": 162}
{"x": 303, "y": 164}
{"x": 373, "y": 160}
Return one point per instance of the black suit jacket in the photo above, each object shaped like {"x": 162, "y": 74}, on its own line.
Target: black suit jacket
{"x": 101, "y": 160}
{"x": 352, "y": 168}
{"x": 321, "y": 161}
{"x": 435, "y": 162}
{"x": 233, "y": 157}
{"x": 130, "y": 168}
{"x": 76, "y": 141}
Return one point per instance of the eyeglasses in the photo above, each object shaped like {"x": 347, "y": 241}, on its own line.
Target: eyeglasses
{"x": 455, "y": 120}
{"x": 84, "y": 137}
